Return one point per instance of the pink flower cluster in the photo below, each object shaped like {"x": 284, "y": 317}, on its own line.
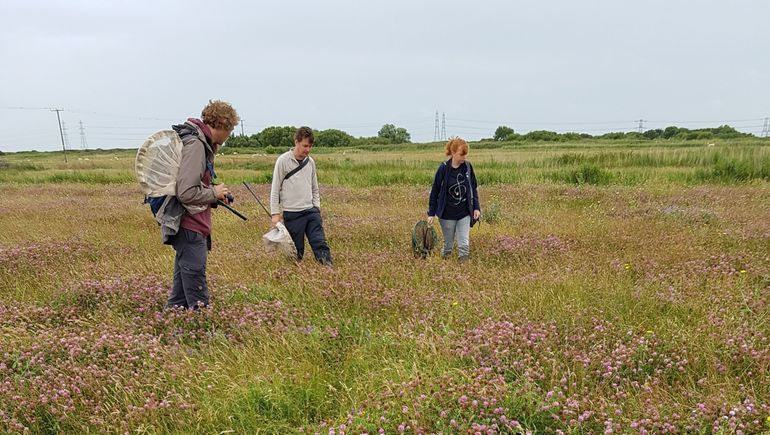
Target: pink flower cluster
{"x": 106, "y": 349}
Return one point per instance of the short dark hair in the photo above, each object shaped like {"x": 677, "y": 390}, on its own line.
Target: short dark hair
{"x": 304, "y": 132}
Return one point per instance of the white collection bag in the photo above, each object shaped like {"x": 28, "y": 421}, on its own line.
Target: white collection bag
{"x": 279, "y": 239}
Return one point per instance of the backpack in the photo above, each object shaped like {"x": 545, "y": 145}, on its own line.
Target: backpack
{"x": 424, "y": 239}
{"x": 156, "y": 167}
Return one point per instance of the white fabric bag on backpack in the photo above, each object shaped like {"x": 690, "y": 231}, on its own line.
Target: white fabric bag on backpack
{"x": 157, "y": 165}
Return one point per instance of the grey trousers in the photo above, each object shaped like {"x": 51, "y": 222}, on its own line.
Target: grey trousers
{"x": 189, "y": 289}
{"x": 460, "y": 229}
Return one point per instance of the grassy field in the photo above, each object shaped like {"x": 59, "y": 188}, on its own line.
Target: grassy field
{"x": 612, "y": 288}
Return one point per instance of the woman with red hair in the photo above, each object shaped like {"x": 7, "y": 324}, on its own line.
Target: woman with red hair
{"x": 454, "y": 199}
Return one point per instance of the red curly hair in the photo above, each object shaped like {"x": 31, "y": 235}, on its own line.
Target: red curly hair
{"x": 456, "y": 144}
{"x": 220, "y": 114}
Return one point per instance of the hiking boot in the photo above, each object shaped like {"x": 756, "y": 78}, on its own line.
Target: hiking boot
{"x": 463, "y": 259}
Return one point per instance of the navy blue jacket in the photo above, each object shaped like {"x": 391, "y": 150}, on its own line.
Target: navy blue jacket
{"x": 438, "y": 192}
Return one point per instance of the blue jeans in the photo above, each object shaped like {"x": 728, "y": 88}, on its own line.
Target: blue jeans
{"x": 456, "y": 228}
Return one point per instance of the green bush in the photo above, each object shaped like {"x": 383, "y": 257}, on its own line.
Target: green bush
{"x": 243, "y": 141}
{"x": 282, "y": 137}
{"x": 333, "y": 138}
{"x": 502, "y": 132}
{"x": 275, "y": 149}
{"x": 394, "y": 134}
{"x": 543, "y": 135}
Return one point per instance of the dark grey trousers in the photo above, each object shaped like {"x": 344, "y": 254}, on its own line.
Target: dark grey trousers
{"x": 189, "y": 289}
{"x": 308, "y": 222}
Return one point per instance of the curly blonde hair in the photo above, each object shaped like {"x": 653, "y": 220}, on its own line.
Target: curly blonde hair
{"x": 220, "y": 114}
{"x": 456, "y": 144}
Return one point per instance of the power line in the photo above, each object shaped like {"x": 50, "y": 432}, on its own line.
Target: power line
{"x": 418, "y": 126}
{"x": 124, "y": 134}
{"x": 344, "y": 126}
{"x": 112, "y": 115}
{"x": 23, "y": 108}
{"x": 115, "y": 115}
{"x": 545, "y": 122}
{"x": 121, "y": 139}
{"x": 16, "y": 137}
{"x": 120, "y": 127}
{"x": 732, "y": 124}
{"x": 472, "y": 127}
{"x": 704, "y": 122}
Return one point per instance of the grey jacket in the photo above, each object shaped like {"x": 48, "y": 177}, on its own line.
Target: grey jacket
{"x": 189, "y": 189}
{"x": 169, "y": 217}
{"x": 192, "y": 197}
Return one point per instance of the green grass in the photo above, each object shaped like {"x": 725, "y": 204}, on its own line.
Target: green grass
{"x": 633, "y": 257}
{"x": 591, "y": 163}
{"x": 584, "y": 174}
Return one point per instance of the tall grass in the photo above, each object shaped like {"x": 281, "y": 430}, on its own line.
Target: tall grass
{"x": 41, "y": 176}
{"x": 583, "y": 174}
{"x": 414, "y": 165}
{"x": 701, "y": 157}
{"x": 730, "y": 169}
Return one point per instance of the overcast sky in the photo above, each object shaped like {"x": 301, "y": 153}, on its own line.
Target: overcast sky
{"x": 127, "y": 68}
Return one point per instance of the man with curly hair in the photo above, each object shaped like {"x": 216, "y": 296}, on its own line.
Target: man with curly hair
{"x": 201, "y": 138}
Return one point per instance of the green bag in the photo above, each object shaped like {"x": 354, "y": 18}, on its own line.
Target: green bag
{"x": 424, "y": 239}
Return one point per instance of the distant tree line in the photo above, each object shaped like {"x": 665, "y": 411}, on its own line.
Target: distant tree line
{"x": 275, "y": 139}
{"x": 283, "y": 138}
{"x": 506, "y": 134}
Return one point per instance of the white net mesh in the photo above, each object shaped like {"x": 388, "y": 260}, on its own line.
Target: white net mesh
{"x": 157, "y": 163}
{"x": 279, "y": 239}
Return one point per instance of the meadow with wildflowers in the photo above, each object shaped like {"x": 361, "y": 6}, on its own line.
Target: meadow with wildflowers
{"x": 611, "y": 289}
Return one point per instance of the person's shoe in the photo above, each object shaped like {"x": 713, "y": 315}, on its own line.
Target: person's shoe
{"x": 463, "y": 259}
